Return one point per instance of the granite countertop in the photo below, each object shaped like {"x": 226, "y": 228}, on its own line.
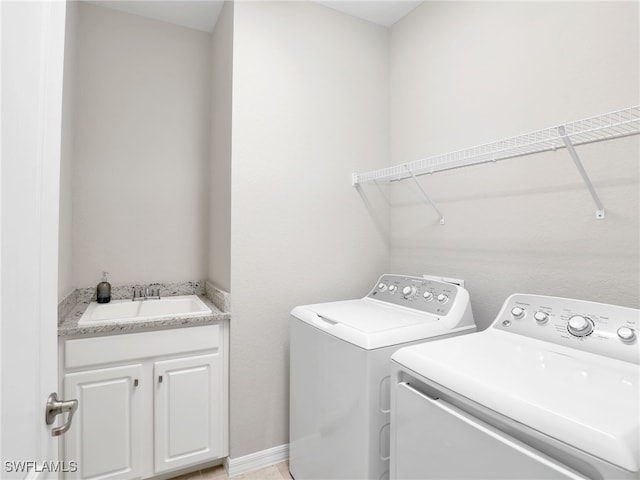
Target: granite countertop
{"x": 68, "y": 322}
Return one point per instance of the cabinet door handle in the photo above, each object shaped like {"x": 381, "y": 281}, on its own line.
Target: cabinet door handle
{"x": 160, "y": 379}
{"x": 135, "y": 382}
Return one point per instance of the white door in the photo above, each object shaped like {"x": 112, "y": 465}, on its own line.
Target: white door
{"x": 106, "y": 436}
{"x": 32, "y": 50}
{"x": 188, "y": 406}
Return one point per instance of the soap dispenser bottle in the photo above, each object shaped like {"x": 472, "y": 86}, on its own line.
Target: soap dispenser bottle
{"x": 103, "y": 290}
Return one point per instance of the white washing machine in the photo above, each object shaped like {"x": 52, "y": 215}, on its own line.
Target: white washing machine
{"x": 548, "y": 391}
{"x": 340, "y": 371}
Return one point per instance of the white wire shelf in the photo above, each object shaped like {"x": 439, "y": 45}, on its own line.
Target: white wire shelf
{"x": 607, "y": 126}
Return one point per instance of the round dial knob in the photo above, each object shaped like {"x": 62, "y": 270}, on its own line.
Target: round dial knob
{"x": 626, "y": 334}
{"x": 382, "y": 286}
{"x": 517, "y": 312}
{"x": 428, "y": 296}
{"x": 541, "y": 317}
{"x": 580, "y": 326}
{"x": 408, "y": 291}
{"x": 392, "y": 289}
{"x": 442, "y": 298}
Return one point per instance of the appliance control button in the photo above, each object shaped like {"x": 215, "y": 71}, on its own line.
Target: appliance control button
{"x": 506, "y": 323}
{"x": 541, "y": 317}
{"x": 626, "y": 334}
{"x": 393, "y": 288}
{"x": 428, "y": 296}
{"x": 382, "y": 286}
{"x": 580, "y": 326}
{"x": 409, "y": 291}
{"x": 442, "y": 298}
{"x": 517, "y": 312}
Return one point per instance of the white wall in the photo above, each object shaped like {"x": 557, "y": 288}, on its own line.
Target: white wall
{"x": 220, "y": 180}
{"x": 141, "y": 149}
{"x": 65, "y": 230}
{"x": 310, "y": 96}
{"x": 465, "y": 73}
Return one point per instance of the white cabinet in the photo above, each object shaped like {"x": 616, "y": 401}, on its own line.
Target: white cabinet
{"x": 187, "y": 398}
{"x": 148, "y": 403}
{"x": 105, "y": 438}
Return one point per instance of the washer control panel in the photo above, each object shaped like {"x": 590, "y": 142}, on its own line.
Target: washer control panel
{"x": 598, "y": 328}
{"x": 429, "y": 296}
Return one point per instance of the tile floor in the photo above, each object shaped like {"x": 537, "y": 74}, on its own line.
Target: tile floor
{"x": 279, "y": 471}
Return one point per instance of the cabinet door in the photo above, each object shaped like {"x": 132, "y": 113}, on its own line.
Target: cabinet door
{"x": 105, "y": 436}
{"x": 188, "y": 402}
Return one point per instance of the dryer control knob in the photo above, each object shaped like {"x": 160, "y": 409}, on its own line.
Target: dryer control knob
{"x": 541, "y": 317}
{"x": 442, "y": 298}
{"x": 580, "y": 326}
{"x": 382, "y": 287}
{"x": 409, "y": 291}
{"x": 393, "y": 288}
{"x": 517, "y": 312}
{"x": 626, "y": 334}
{"x": 428, "y": 296}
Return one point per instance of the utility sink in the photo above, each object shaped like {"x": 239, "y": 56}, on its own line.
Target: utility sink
{"x": 128, "y": 311}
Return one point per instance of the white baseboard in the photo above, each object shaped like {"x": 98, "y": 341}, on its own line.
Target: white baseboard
{"x": 257, "y": 460}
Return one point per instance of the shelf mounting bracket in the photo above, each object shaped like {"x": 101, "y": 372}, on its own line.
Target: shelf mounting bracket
{"x": 426, "y": 195}
{"x": 582, "y": 171}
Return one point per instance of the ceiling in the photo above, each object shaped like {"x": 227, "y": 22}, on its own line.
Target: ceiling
{"x": 203, "y": 14}
{"x": 384, "y": 13}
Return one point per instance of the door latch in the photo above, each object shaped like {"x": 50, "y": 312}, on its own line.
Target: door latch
{"x": 56, "y": 407}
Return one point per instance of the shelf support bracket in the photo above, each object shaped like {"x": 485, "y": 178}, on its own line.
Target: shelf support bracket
{"x": 426, "y": 195}
{"x": 583, "y": 172}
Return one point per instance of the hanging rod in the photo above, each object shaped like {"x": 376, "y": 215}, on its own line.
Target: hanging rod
{"x": 607, "y": 126}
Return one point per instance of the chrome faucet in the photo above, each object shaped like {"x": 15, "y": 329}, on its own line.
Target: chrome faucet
{"x": 137, "y": 294}
{"x": 144, "y": 293}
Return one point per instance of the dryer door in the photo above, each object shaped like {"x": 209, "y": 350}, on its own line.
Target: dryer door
{"x": 434, "y": 440}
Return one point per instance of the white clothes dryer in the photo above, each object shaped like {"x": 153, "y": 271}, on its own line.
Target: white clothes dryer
{"x": 548, "y": 391}
{"x": 340, "y": 371}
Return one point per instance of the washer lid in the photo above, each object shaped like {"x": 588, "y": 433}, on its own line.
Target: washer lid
{"x": 585, "y": 400}
{"x": 371, "y": 324}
